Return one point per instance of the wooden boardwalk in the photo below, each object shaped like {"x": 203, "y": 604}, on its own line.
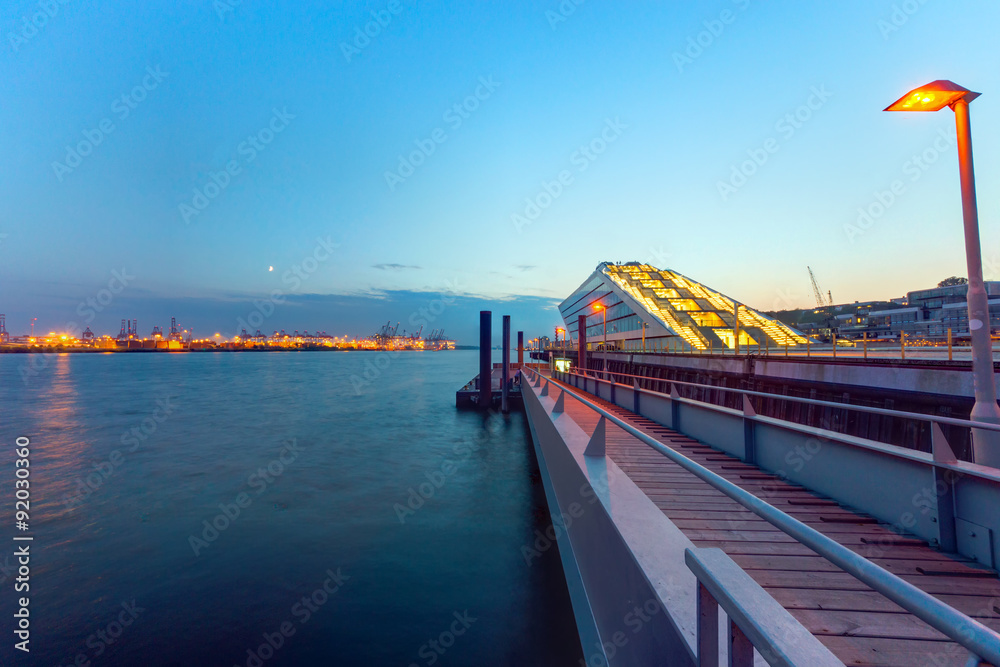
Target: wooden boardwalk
{"x": 859, "y": 625}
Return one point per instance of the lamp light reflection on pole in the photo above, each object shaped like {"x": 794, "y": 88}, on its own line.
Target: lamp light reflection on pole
{"x": 933, "y": 97}
{"x": 604, "y": 343}
{"x": 604, "y": 310}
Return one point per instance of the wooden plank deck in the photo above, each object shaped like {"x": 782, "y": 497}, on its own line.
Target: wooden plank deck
{"x": 859, "y": 625}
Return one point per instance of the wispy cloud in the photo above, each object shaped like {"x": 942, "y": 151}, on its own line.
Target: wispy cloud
{"x": 395, "y": 267}
{"x": 525, "y": 267}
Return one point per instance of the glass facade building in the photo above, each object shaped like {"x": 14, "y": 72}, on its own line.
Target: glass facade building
{"x": 650, "y": 308}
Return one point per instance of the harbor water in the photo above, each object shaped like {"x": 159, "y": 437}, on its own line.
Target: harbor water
{"x": 281, "y": 508}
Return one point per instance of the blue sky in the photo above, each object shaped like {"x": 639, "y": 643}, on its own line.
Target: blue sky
{"x": 309, "y": 119}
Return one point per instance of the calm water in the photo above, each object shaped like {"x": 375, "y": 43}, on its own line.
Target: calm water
{"x": 322, "y": 462}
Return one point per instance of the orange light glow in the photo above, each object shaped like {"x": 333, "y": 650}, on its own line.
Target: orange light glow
{"x": 598, "y": 307}
{"x": 932, "y": 97}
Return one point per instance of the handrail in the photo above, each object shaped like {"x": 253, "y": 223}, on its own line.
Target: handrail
{"x": 756, "y": 620}
{"x": 973, "y": 635}
{"x": 940, "y": 419}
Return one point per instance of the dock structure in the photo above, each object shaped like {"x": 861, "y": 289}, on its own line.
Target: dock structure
{"x": 503, "y": 390}
{"x": 471, "y": 395}
{"x": 820, "y": 548}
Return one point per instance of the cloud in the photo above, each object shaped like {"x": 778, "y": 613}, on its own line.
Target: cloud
{"x": 525, "y": 267}
{"x": 395, "y": 267}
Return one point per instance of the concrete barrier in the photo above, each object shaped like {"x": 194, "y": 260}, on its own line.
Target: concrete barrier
{"x": 632, "y": 594}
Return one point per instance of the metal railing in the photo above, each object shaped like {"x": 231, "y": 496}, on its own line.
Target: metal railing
{"x": 756, "y": 620}
{"x": 858, "y": 351}
{"x": 982, "y": 642}
{"x": 918, "y": 416}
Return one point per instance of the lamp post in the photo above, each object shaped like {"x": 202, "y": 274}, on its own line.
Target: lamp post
{"x": 933, "y": 97}
{"x": 604, "y": 310}
{"x": 604, "y": 343}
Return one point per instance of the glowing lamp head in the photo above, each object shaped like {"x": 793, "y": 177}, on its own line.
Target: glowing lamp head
{"x": 932, "y": 97}
{"x": 598, "y": 307}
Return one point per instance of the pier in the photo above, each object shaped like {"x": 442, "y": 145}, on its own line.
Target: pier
{"x": 712, "y": 501}
{"x": 863, "y": 553}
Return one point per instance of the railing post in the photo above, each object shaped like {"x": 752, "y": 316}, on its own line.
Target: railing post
{"x": 740, "y": 648}
{"x": 708, "y": 628}
{"x": 675, "y": 408}
{"x": 596, "y": 446}
{"x": 635, "y": 396}
{"x": 749, "y": 440}
{"x": 944, "y": 483}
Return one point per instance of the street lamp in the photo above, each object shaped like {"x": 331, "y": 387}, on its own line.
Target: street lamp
{"x": 604, "y": 344}
{"x": 601, "y": 308}
{"x": 933, "y": 97}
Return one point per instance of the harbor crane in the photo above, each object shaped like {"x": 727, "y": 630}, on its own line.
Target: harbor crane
{"x": 820, "y": 301}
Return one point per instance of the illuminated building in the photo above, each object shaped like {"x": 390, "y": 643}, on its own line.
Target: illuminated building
{"x": 661, "y": 309}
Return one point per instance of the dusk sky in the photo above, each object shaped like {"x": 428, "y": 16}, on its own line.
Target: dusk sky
{"x": 493, "y": 154}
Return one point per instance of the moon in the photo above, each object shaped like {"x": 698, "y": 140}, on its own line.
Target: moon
{"x": 270, "y": 268}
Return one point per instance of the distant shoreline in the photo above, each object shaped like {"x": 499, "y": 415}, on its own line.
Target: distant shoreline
{"x": 304, "y": 348}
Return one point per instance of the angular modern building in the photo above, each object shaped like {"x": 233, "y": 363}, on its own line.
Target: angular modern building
{"x": 655, "y": 309}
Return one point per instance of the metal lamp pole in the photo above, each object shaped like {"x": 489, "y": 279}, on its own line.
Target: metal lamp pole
{"x": 604, "y": 344}
{"x": 934, "y": 97}
{"x": 986, "y": 444}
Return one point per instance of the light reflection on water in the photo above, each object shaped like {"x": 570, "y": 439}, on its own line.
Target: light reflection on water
{"x": 204, "y": 428}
